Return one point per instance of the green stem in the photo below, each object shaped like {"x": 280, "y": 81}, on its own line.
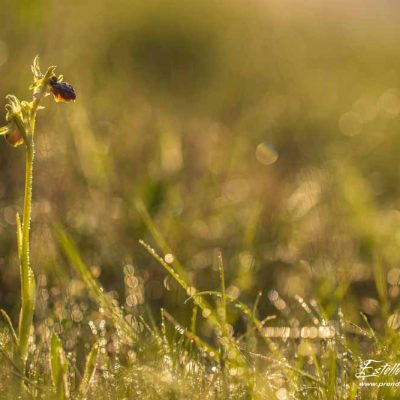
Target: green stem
{"x": 28, "y": 288}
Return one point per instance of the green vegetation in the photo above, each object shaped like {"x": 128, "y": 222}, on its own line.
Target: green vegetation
{"x": 216, "y": 216}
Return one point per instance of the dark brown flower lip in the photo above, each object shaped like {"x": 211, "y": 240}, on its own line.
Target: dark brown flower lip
{"x": 14, "y": 137}
{"x": 62, "y": 91}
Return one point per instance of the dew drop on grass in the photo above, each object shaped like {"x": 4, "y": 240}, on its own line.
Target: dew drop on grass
{"x": 92, "y": 327}
{"x": 102, "y": 324}
{"x": 169, "y": 258}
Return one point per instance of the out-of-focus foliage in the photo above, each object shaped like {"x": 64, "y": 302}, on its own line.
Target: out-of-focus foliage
{"x": 268, "y": 129}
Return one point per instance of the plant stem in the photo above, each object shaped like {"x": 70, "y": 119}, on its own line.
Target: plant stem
{"x": 28, "y": 288}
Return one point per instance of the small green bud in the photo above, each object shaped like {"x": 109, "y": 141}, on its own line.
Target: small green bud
{"x": 40, "y": 80}
{"x": 16, "y": 115}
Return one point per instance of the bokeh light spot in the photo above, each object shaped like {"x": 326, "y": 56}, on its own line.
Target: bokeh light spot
{"x": 350, "y": 124}
{"x": 266, "y": 154}
{"x": 393, "y": 276}
{"x": 389, "y": 103}
{"x": 394, "y": 321}
{"x": 282, "y": 394}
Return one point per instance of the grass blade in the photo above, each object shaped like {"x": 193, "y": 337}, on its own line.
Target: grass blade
{"x": 158, "y": 237}
{"x": 59, "y": 368}
{"x": 19, "y": 234}
{"x": 90, "y": 370}
{"x": 198, "y": 300}
{"x": 10, "y": 327}
{"x": 82, "y": 269}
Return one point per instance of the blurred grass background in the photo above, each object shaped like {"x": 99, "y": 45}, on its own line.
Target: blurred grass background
{"x": 268, "y": 129}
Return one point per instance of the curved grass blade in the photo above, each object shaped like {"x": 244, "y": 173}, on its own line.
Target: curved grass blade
{"x": 10, "y": 327}
{"x": 90, "y": 370}
{"x": 158, "y": 237}
{"x": 201, "y": 344}
{"x": 59, "y": 368}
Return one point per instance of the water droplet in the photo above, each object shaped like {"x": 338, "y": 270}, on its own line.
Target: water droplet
{"x": 169, "y": 258}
